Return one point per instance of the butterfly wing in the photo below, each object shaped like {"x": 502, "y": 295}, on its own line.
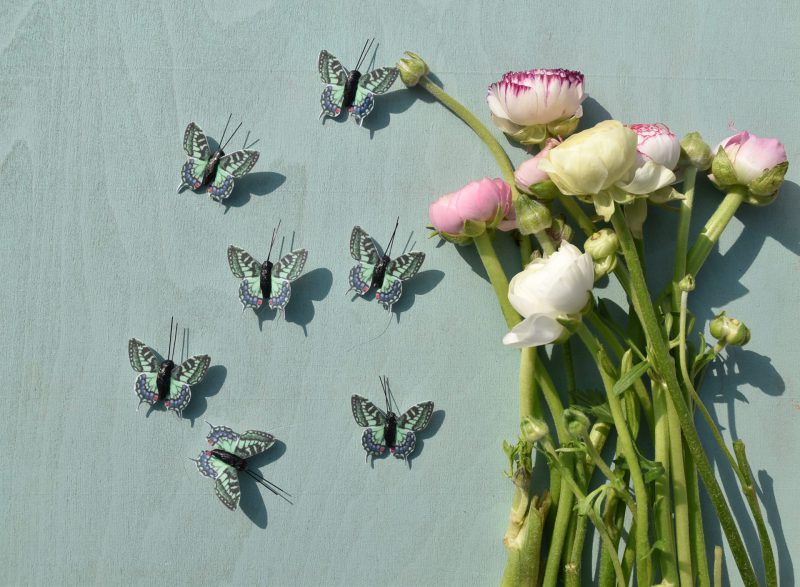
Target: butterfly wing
{"x": 334, "y": 75}
{"x": 226, "y": 477}
{"x": 192, "y": 370}
{"x": 377, "y": 81}
{"x": 195, "y": 144}
{"x": 286, "y": 270}
{"x": 363, "y": 250}
{"x": 400, "y": 269}
{"x": 242, "y": 263}
{"x": 372, "y": 418}
{"x": 230, "y": 167}
{"x": 178, "y": 397}
{"x": 413, "y": 420}
{"x": 142, "y": 357}
{"x": 244, "y": 445}
{"x": 250, "y": 293}
{"x": 146, "y": 388}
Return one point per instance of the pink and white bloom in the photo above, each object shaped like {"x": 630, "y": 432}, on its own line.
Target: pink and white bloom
{"x": 657, "y": 143}
{"x": 528, "y": 173}
{"x": 484, "y": 203}
{"x": 549, "y": 288}
{"x": 751, "y": 156}
{"x": 531, "y": 105}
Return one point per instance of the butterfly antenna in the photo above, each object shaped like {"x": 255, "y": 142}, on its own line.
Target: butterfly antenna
{"x": 174, "y": 343}
{"x": 391, "y": 240}
{"x": 222, "y": 148}
{"x": 209, "y": 423}
{"x": 222, "y": 138}
{"x": 361, "y": 55}
{"x": 169, "y": 345}
{"x": 246, "y": 146}
{"x": 274, "y": 236}
{"x": 184, "y": 343}
{"x": 270, "y": 486}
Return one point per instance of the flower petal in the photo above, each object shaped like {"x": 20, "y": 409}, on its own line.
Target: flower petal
{"x": 648, "y": 178}
{"x": 535, "y": 330}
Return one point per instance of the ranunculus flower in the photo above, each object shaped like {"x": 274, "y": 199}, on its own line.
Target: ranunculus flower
{"x": 657, "y": 143}
{"x": 756, "y": 163}
{"x": 529, "y": 106}
{"x": 528, "y": 173}
{"x": 546, "y": 289}
{"x": 466, "y": 213}
{"x": 599, "y": 165}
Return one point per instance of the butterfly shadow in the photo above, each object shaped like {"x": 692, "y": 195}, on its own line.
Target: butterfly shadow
{"x": 252, "y": 499}
{"x": 395, "y": 102}
{"x": 209, "y": 387}
{"x": 259, "y": 183}
{"x": 420, "y": 284}
{"x": 312, "y": 287}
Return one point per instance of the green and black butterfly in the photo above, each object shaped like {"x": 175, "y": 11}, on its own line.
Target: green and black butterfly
{"x": 351, "y": 89}
{"x": 165, "y": 381}
{"x": 228, "y": 456}
{"x": 386, "y": 429}
{"x": 381, "y": 271}
{"x": 266, "y": 280}
{"x": 216, "y": 170}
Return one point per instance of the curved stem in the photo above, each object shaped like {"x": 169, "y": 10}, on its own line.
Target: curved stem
{"x": 499, "y": 154}
{"x": 665, "y": 367}
{"x": 497, "y": 277}
{"x": 713, "y": 229}
{"x": 626, "y": 446}
{"x": 563, "y": 514}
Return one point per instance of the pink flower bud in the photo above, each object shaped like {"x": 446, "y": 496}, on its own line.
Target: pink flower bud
{"x": 657, "y": 143}
{"x": 751, "y": 156}
{"x": 486, "y": 201}
{"x": 537, "y": 96}
{"x": 528, "y": 173}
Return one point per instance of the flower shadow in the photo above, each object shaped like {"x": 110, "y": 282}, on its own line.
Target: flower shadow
{"x": 395, "y": 102}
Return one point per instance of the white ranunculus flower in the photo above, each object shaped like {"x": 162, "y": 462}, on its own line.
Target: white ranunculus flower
{"x": 599, "y": 164}
{"x": 557, "y": 285}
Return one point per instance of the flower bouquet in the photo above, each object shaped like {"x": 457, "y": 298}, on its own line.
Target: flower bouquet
{"x": 590, "y": 189}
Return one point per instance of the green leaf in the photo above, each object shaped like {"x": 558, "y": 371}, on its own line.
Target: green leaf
{"x": 631, "y": 377}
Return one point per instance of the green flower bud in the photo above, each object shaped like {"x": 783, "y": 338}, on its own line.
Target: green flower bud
{"x": 533, "y": 429}
{"x": 695, "y": 151}
{"x": 544, "y": 190}
{"x": 563, "y": 128}
{"x": 412, "y": 69}
{"x": 729, "y": 330}
{"x": 686, "y": 284}
{"x": 532, "y": 216}
{"x": 577, "y": 423}
{"x": 602, "y": 244}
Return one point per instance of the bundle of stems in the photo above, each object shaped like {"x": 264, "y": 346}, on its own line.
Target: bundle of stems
{"x": 643, "y": 506}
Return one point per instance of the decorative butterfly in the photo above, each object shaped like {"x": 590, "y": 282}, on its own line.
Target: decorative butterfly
{"x": 165, "y": 381}
{"x": 216, "y": 170}
{"x": 228, "y": 457}
{"x": 266, "y": 280}
{"x": 351, "y": 89}
{"x": 381, "y": 271}
{"x": 386, "y": 429}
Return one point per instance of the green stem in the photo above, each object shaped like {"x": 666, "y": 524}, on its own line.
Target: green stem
{"x": 528, "y": 398}
{"x": 615, "y": 481}
{"x": 662, "y": 504}
{"x": 563, "y": 514}
{"x": 573, "y": 568}
{"x": 626, "y": 446}
{"x": 717, "y": 566}
{"x": 497, "y": 277}
{"x": 569, "y": 369}
{"x": 680, "y": 497}
{"x": 698, "y": 538}
{"x": 682, "y": 239}
{"x": 665, "y": 367}
{"x": 713, "y": 229}
{"x": 553, "y": 400}
{"x": 763, "y": 536}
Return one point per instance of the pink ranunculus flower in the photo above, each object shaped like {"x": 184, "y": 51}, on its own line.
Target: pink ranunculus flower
{"x": 528, "y": 173}
{"x": 467, "y": 212}
{"x": 530, "y": 106}
{"x": 657, "y": 143}
{"x": 756, "y": 163}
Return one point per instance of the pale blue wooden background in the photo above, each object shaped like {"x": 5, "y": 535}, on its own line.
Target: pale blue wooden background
{"x": 97, "y": 247}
